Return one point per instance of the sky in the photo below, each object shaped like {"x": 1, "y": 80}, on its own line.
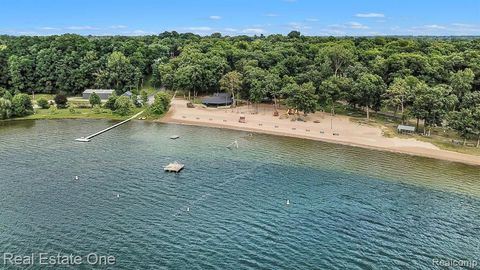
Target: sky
{"x": 241, "y": 17}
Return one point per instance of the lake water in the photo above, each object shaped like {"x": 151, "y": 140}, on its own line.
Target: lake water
{"x": 349, "y": 208}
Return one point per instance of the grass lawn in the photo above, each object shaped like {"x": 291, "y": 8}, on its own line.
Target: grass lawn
{"x": 46, "y": 96}
{"x": 439, "y": 136}
{"x": 77, "y": 113}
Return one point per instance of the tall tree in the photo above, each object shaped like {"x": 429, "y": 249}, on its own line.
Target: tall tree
{"x": 333, "y": 89}
{"x": 273, "y": 87}
{"x": 432, "y": 104}
{"x": 338, "y": 56}
{"x": 462, "y": 82}
{"x": 302, "y": 97}
{"x": 232, "y": 83}
{"x": 368, "y": 90}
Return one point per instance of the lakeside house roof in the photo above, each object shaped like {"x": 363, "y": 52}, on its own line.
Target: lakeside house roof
{"x": 99, "y": 91}
{"x": 406, "y": 128}
{"x": 127, "y": 94}
{"x": 218, "y": 99}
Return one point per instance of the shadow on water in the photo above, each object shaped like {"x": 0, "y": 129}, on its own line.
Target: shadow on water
{"x": 20, "y": 124}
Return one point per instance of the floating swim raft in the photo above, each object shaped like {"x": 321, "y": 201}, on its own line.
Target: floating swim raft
{"x": 174, "y": 167}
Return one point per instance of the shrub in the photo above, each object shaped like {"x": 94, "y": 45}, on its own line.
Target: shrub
{"x": 135, "y": 101}
{"x": 110, "y": 104}
{"x": 144, "y": 97}
{"x": 61, "y": 100}
{"x": 123, "y": 106}
{"x": 72, "y": 110}
{"x": 97, "y": 109}
{"x": 43, "y": 103}
{"x": 5, "y": 108}
{"x": 94, "y": 99}
{"x": 161, "y": 103}
{"x": 8, "y": 95}
{"x": 22, "y": 105}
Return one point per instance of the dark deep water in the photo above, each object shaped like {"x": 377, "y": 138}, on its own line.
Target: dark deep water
{"x": 350, "y": 208}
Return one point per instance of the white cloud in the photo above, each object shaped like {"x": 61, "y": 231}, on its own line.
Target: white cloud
{"x": 463, "y": 25}
{"x": 370, "y": 15}
{"x": 85, "y": 27}
{"x": 430, "y": 27}
{"x": 48, "y": 28}
{"x": 254, "y": 31}
{"x": 450, "y": 29}
{"x": 230, "y": 29}
{"x": 356, "y": 25}
{"x": 311, "y": 19}
{"x": 198, "y": 28}
{"x": 349, "y": 25}
{"x": 118, "y": 26}
{"x": 298, "y": 26}
{"x": 271, "y": 15}
{"x": 215, "y": 17}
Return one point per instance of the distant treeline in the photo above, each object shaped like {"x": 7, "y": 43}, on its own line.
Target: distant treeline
{"x": 424, "y": 78}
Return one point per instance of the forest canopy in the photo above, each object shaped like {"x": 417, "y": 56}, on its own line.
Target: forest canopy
{"x": 425, "y": 78}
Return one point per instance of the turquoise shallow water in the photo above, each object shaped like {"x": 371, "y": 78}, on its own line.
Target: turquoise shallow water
{"x": 349, "y": 208}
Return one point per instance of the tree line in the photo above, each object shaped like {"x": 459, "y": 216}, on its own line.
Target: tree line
{"x": 433, "y": 80}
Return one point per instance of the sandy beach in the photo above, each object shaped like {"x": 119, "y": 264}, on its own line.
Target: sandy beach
{"x": 318, "y": 126}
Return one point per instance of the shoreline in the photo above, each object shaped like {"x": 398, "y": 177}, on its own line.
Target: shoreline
{"x": 373, "y": 140}
{"x": 397, "y": 145}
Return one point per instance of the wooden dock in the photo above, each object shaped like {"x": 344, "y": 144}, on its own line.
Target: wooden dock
{"x": 89, "y": 138}
{"x": 174, "y": 167}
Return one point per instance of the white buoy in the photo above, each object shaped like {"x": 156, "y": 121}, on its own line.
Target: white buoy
{"x": 118, "y": 195}
{"x": 76, "y": 177}
{"x": 288, "y": 202}
{"x": 188, "y": 209}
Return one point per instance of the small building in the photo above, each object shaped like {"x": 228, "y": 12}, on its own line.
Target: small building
{"x": 218, "y": 99}
{"x": 405, "y": 129}
{"x": 102, "y": 93}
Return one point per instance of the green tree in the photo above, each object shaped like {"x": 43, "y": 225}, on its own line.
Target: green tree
{"x": 333, "y": 89}
{"x": 22, "y": 105}
{"x": 462, "y": 82}
{"x": 368, "y": 90}
{"x": 43, "y": 103}
{"x": 144, "y": 97}
{"x": 463, "y": 123}
{"x": 110, "y": 104}
{"x": 302, "y": 97}
{"x": 8, "y": 95}
{"x": 21, "y": 72}
{"x": 94, "y": 99}
{"x": 231, "y": 83}
{"x": 5, "y": 108}
{"x": 431, "y": 104}
{"x": 273, "y": 87}
{"x": 161, "y": 103}
{"x": 123, "y": 106}
{"x": 119, "y": 73}
{"x": 338, "y": 56}
{"x": 61, "y": 100}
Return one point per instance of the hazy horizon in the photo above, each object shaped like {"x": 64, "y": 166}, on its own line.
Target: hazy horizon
{"x": 241, "y": 17}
